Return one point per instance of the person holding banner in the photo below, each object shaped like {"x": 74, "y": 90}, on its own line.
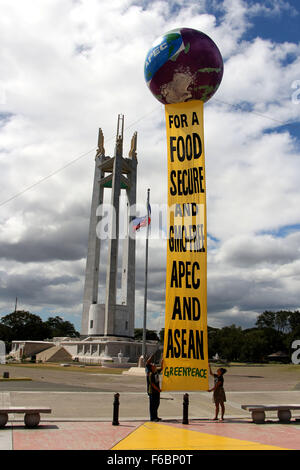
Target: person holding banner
{"x": 153, "y": 388}
{"x": 219, "y": 396}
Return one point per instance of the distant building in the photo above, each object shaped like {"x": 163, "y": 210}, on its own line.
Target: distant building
{"x": 91, "y": 350}
{"x": 279, "y": 356}
{"x": 54, "y": 354}
{"x": 27, "y": 349}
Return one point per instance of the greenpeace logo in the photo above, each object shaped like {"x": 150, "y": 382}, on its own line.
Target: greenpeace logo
{"x": 185, "y": 372}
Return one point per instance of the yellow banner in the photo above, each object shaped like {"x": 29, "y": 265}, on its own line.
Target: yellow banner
{"x": 185, "y": 356}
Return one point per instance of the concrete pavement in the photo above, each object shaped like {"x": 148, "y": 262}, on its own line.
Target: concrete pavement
{"x": 82, "y": 411}
{"x": 83, "y": 420}
{"x": 98, "y": 406}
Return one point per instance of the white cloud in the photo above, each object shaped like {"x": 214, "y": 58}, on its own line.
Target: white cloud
{"x": 70, "y": 67}
{"x": 272, "y": 8}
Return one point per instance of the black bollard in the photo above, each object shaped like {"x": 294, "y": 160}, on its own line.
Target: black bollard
{"x": 185, "y": 418}
{"x": 6, "y": 375}
{"x": 115, "y": 421}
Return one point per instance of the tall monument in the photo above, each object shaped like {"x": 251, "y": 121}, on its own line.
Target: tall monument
{"x": 115, "y": 173}
{"x": 183, "y": 70}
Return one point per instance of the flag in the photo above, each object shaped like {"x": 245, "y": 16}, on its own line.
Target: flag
{"x": 140, "y": 222}
{"x": 149, "y": 214}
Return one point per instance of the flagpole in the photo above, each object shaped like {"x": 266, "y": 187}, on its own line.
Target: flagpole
{"x": 146, "y": 280}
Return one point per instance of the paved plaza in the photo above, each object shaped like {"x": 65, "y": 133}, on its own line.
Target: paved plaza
{"x": 82, "y": 412}
{"x": 232, "y": 434}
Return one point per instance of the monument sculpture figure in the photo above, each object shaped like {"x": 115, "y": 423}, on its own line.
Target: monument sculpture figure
{"x": 115, "y": 174}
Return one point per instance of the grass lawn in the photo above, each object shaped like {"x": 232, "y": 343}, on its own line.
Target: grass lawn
{"x": 73, "y": 368}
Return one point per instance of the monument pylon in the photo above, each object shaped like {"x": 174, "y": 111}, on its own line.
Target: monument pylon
{"x": 116, "y": 174}
{"x": 183, "y": 70}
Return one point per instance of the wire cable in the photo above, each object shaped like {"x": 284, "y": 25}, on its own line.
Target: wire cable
{"x": 55, "y": 172}
{"x": 45, "y": 178}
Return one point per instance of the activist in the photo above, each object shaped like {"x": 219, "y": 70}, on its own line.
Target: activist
{"x": 153, "y": 387}
{"x": 219, "y": 396}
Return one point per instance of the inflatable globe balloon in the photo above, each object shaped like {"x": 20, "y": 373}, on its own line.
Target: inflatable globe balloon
{"x": 184, "y": 64}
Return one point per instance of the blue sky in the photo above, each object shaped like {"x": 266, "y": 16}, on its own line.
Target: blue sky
{"x": 282, "y": 232}
{"x": 56, "y": 90}
{"x": 279, "y": 27}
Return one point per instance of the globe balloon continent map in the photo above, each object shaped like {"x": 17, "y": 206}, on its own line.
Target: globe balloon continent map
{"x": 182, "y": 65}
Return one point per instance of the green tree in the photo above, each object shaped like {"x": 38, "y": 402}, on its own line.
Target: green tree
{"x": 258, "y": 343}
{"x": 266, "y": 320}
{"x": 213, "y": 335}
{"x": 231, "y": 339}
{"x": 5, "y": 333}
{"x": 25, "y": 325}
{"x": 59, "y": 327}
{"x": 150, "y": 334}
{"x": 161, "y": 335}
{"x": 225, "y": 341}
{"x": 294, "y": 320}
{"x": 6, "y": 336}
{"x": 255, "y": 345}
{"x": 282, "y": 321}
{"x": 294, "y": 330}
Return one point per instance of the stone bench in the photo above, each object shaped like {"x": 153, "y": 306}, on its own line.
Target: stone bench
{"x": 258, "y": 411}
{"x": 31, "y": 418}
